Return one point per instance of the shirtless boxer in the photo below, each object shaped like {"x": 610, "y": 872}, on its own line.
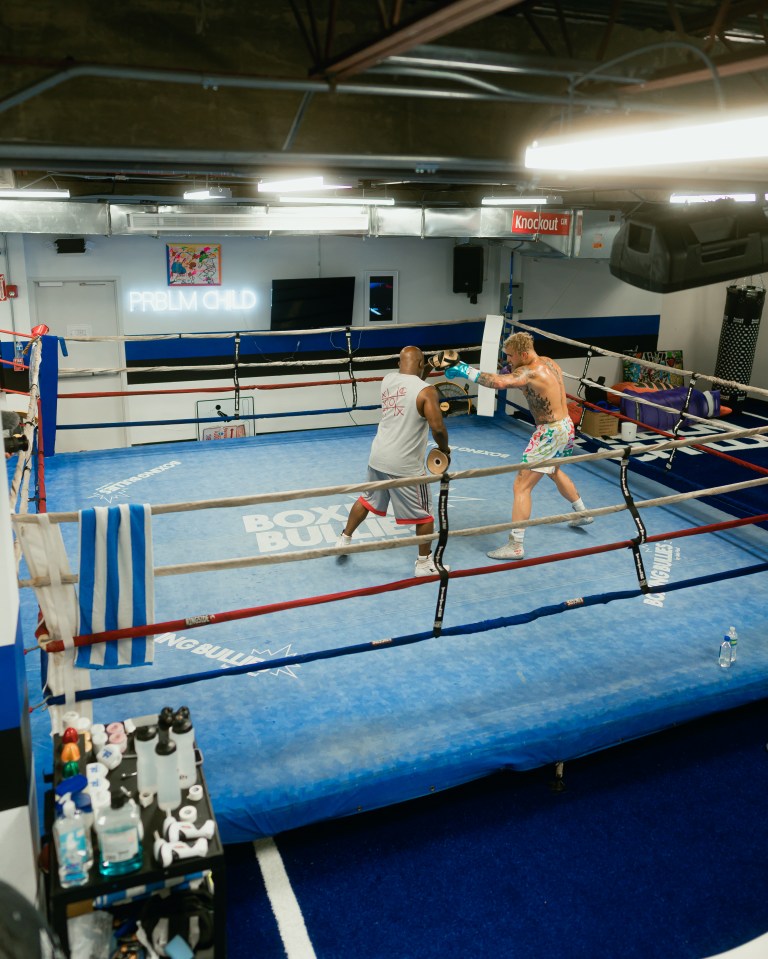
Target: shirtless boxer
{"x": 541, "y": 381}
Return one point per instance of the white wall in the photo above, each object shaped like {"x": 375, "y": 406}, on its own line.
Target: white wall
{"x": 138, "y": 263}
{"x": 552, "y": 288}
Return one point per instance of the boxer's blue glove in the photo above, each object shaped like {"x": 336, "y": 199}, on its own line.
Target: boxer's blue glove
{"x": 462, "y": 372}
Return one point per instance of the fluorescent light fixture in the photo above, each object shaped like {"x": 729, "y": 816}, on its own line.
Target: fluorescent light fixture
{"x": 744, "y": 138}
{"x": 708, "y": 197}
{"x": 341, "y": 201}
{"x": 35, "y": 194}
{"x": 209, "y": 193}
{"x": 291, "y": 186}
{"x": 519, "y": 200}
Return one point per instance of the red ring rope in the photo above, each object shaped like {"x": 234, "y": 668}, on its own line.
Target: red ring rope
{"x": 57, "y": 646}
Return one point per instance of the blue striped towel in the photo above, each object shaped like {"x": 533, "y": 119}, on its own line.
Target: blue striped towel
{"x": 116, "y": 584}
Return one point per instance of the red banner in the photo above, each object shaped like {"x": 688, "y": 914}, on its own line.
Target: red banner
{"x": 536, "y": 221}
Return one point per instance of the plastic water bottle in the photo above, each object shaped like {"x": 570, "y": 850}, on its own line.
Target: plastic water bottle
{"x": 183, "y": 735}
{"x": 144, "y": 741}
{"x": 725, "y": 652}
{"x": 733, "y": 639}
{"x": 168, "y": 788}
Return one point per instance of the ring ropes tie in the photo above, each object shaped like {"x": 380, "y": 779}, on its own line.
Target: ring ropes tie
{"x": 235, "y": 376}
{"x": 683, "y": 410}
{"x": 580, "y": 390}
{"x": 442, "y": 539}
{"x": 641, "y": 531}
{"x": 349, "y": 367}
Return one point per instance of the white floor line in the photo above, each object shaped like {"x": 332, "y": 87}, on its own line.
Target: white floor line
{"x": 285, "y": 906}
{"x": 756, "y": 416}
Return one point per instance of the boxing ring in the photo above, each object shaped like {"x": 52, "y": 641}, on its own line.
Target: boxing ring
{"x": 338, "y": 687}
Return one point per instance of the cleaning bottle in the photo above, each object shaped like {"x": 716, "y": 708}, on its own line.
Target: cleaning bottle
{"x": 73, "y": 845}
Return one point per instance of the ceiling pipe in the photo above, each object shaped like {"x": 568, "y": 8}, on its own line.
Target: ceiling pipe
{"x": 216, "y": 81}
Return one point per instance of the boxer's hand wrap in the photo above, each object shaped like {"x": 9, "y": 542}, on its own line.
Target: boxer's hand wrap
{"x": 463, "y": 372}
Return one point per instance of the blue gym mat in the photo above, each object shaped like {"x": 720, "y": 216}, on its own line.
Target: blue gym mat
{"x": 295, "y": 744}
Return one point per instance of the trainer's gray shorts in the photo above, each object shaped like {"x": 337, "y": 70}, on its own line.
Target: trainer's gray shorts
{"x": 410, "y": 504}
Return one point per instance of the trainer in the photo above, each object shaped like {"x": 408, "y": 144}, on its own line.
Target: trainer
{"x": 409, "y": 410}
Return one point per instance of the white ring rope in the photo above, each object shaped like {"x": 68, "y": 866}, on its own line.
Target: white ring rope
{"x": 259, "y": 498}
{"x": 286, "y": 496}
{"x": 298, "y": 555}
{"x": 141, "y": 337}
{"x": 635, "y": 398}
{"x": 731, "y": 384}
{"x": 94, "y": 371}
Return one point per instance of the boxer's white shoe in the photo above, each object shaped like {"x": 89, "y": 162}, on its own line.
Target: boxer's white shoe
{"x": 426, "y": 567}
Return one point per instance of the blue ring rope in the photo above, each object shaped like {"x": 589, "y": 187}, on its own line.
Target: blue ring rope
{"x": 481, "y": 627}
{"x": 209, "y": 419}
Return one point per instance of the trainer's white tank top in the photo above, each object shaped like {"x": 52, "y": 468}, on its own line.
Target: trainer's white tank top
{"x": 400, "y": 444}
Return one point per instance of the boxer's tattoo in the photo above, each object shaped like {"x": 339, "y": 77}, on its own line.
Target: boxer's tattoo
{"x": 489, "y": 380}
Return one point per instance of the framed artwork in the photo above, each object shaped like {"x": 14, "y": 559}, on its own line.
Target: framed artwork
{"x": 658, "y": 379}
{"x": 380, "y": 296}
{"x": 192, "y": 264}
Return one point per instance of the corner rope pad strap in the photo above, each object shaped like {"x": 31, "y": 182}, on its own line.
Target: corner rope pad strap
{"x": 680, "y": 418}
{"x": 641, "y": 531}
{"x": 442, "y": 539}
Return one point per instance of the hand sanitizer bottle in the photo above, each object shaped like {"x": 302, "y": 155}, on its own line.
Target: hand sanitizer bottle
{"x": 73, "y": 846}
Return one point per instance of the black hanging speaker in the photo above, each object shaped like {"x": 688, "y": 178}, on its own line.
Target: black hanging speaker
{"x": 665, "y": 249}
{"x": 70, "y": 244}
{"x": 468, "y": 270}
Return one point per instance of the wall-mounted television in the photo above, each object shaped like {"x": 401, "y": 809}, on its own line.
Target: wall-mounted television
{"x": 312, "y": 303}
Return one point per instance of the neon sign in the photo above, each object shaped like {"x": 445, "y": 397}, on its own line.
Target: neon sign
{"x": 190, "y": 301}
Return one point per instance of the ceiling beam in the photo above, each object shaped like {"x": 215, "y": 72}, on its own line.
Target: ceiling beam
{"x": 452, "y": 17}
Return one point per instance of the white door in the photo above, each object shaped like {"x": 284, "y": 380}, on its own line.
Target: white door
{"x": 74, "y": 308}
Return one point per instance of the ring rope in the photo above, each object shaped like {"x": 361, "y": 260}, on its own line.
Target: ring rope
{"x": 732, "y": 384}
{"x": 266, "y": 365}
{"x": 388, "y": 643}
{"x": 300, "y": 555}
{"x": 147, "y": 337}
{"x": 641, "y": 401}
{"x": 213, "y": 619}
{"x": 285, "y": 496}
{"x": 211, "y": 419}
{"x": 716, "y": 438}
{"x": 221, "y": 389}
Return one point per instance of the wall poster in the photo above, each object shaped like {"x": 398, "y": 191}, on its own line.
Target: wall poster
{"x": 191, "y": 264}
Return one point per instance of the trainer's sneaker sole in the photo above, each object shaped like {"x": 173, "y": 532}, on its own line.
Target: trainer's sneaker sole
{"x": 507, "y": 551}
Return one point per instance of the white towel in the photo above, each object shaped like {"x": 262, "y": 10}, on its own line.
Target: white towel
{"x": 116, "y": 584}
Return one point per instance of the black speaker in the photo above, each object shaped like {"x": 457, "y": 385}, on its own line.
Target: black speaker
{"x": 468, "y": 270}
{"x": 665, "y": 249}
{"x": 71, "y": 244}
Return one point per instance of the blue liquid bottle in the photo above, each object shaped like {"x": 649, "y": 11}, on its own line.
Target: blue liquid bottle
{"x": 119, "y": 830}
